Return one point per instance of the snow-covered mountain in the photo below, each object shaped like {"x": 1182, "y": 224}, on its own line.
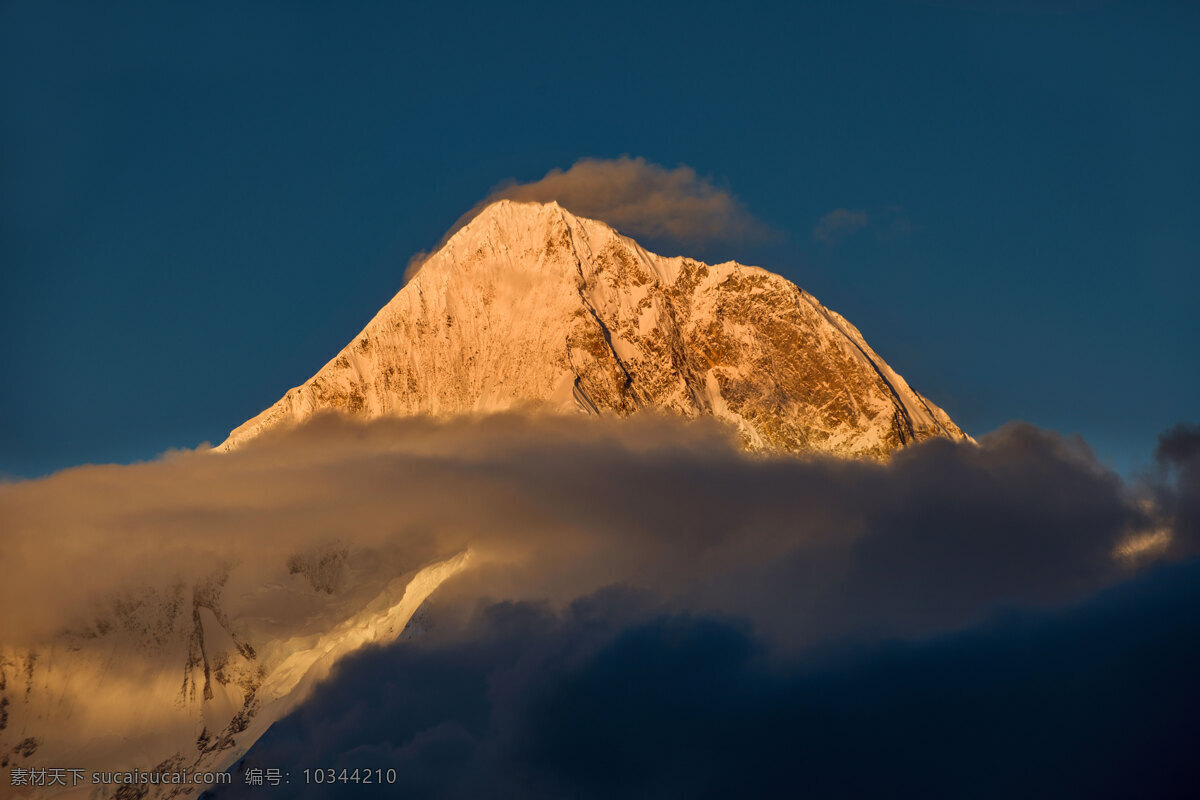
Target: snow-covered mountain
{"x": 529, "y": 305}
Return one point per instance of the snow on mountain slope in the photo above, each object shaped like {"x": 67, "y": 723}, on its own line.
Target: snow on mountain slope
{"x": 529, "y": 305}
{"x": 188, "y": 678}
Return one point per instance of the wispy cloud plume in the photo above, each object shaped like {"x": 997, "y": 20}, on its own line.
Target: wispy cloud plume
{"x": 838, "y": 225}
{"x": 641, "y": 198}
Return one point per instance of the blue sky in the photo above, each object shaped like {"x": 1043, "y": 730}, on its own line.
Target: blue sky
{"x": 201, "y": 204}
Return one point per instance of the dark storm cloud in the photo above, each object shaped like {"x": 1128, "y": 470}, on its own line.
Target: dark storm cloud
{"x": 1178, "y": 482}
{"x": 604, "y": 700}
{"x": 1180, "y": 446}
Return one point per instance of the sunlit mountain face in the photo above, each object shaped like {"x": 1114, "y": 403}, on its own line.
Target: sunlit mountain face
{"x": 529, "y": 305}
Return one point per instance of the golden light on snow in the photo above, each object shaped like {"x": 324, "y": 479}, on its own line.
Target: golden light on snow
{"x": 529, "y": 304}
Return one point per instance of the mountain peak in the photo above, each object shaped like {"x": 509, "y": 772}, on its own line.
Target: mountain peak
{"x": 528, "y": 305}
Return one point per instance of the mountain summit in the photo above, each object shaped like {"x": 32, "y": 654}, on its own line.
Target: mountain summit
{"x": 529, "y": 305}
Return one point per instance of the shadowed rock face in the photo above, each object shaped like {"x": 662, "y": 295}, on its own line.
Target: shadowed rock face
{"x": 529, "y": 305}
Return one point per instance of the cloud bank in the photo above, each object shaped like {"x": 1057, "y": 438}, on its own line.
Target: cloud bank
{"x": 557, "y": 507}
{"x": 641, "y": 593}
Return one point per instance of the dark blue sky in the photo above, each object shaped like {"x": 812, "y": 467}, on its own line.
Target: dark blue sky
{"x": 199, "y": 205}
